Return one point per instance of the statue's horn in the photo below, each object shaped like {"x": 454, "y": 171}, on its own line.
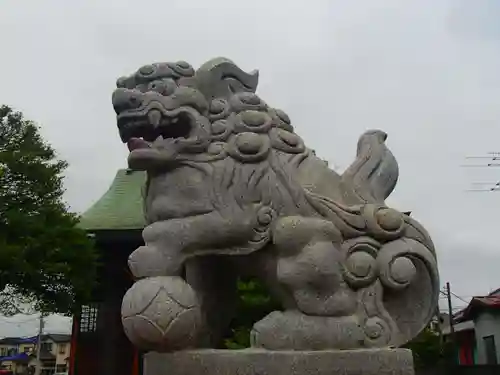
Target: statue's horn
{"x": 220, "y": 77}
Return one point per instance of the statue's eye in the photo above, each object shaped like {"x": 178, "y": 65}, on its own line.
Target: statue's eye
{"x": 164, "y": 86}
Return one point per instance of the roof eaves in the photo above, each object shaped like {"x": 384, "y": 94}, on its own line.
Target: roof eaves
{"x": 59, "y": 337}
{"x": 476, "y": 303}
{"x": 120, "y": 208}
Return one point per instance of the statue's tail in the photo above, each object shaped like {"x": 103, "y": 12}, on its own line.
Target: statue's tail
{"x": 374, "y": 173}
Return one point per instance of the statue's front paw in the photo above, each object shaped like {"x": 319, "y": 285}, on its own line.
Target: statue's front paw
{"x": 148, "y": 261}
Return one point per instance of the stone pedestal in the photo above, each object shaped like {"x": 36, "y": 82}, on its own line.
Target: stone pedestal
{"x": 263, "y": 362}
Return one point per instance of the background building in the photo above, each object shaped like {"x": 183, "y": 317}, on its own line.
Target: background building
{"x": 20, "y": 354}
{"x": 477, "y": 331}
{"x": 115, "y": 221}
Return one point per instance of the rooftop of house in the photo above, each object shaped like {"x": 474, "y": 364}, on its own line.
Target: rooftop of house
{"x": 13, "y": 341}
{"x": 56, "y": 337}
{"x": 467, "y": 325}
{"x": 478, "y": 303}
{"x": 120, "y": 208}
{"x": 19, "y": 358}
{"x": 24, "y": 357}
{"x": 491, "y": 301}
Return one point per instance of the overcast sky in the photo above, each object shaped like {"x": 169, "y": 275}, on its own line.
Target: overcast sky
{"x": 425, "y": 71}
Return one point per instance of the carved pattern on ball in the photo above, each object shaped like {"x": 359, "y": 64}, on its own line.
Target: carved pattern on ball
{"x": 161, "y": 313}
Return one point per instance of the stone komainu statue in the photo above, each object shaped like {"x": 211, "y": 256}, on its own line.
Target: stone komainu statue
{"x": 232, "y": 190}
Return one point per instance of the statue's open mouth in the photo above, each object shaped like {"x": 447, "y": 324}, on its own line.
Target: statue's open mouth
{"x": 152, "y": 124}
{"x": 153, "y": 133}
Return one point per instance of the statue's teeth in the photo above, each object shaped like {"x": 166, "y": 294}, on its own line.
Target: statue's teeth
{"x": 154, "y": 117}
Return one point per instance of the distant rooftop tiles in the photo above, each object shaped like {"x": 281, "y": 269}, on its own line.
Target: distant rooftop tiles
{"x": 120, "y": 208}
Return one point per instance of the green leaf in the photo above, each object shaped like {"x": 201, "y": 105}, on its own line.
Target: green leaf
{"x": 44, "y": 257}
{"x": 254, "y": 303}
{"x": 429, "y": 349}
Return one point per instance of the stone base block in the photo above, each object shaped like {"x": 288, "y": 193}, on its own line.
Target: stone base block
{"x": 263, "y": 362}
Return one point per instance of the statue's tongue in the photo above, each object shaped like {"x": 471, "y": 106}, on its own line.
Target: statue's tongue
{"x": 136, "y": 143}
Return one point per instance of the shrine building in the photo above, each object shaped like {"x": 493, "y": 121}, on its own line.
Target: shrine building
{"x": 99, "y": 345}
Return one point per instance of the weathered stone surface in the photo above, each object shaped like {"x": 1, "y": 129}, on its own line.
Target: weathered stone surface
{"x": 233, "y": 189}
{"x": 262, "y": 362}
{"x": 159, "y": 307}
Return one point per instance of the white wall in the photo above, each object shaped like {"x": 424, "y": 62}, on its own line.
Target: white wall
{"x": 487, "y": 323}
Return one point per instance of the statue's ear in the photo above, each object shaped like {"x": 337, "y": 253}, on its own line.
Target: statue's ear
{"x": 220, "y": 78}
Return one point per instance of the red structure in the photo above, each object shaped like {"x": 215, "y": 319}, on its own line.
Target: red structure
{"x": 466, "y": 347}
{"x": 99, "y": 345}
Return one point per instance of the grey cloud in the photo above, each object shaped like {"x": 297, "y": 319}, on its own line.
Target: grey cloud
{"x": 476, "y": 20}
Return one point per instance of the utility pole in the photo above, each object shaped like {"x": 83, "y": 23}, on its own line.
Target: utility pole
{"x": 450, "y": 311}
{"x": 439, "y": 328}
{"x": 38, "y": 368}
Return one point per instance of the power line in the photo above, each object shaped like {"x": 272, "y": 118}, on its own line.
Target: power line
{"x": 490, "y": 160}
{"x": 444, "y": 295}
{"x": 460, "y": 298}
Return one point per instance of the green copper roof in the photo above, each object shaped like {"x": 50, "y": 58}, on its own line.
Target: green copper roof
{"x": 120, "y": 208}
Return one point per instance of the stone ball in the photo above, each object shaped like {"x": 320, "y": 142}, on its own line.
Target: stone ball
{"x": 162, "y": 314}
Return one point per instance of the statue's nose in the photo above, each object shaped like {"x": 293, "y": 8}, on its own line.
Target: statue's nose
{"x": 125, "y": 99}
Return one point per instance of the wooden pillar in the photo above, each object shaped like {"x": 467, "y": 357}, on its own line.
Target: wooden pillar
{"x": 117, "y": 356}
{"x": 135, "y": 365}
{"x": 73, "y": 350}
{"x": 105, "y": 335}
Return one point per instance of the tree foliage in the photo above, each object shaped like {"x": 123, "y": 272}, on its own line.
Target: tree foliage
{"x": 44, "y": 257}
{"x": 430, "y": 350}
{"x": 254, "y": 303}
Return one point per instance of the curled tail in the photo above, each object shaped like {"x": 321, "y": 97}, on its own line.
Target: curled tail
{"x": 374, "y": 173}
